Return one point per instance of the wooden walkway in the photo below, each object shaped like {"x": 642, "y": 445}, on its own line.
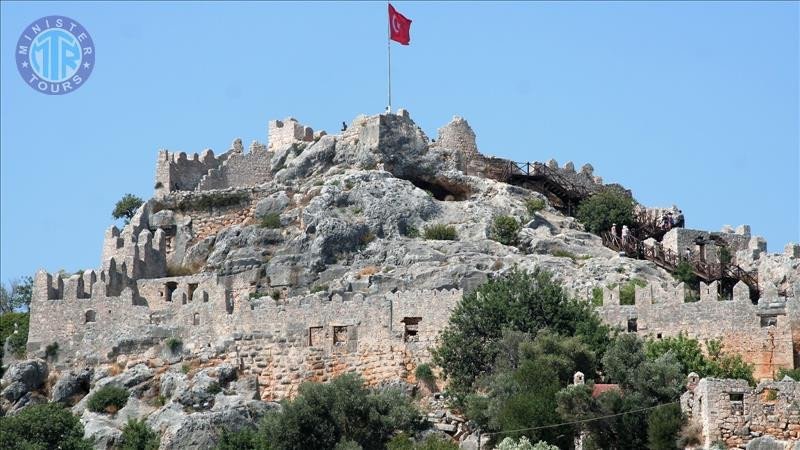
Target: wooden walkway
{"x": 565, "y": 194}
{"x": 668, "y": 260}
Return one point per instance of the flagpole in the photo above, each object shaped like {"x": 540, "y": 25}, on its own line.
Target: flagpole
{"x": 389, "y": 53}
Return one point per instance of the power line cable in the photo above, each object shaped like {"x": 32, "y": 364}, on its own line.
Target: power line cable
{"x": 633, "y": 411}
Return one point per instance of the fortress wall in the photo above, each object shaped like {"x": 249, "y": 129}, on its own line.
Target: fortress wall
{"x": 744, "y": 328}
{"x": 734, "y": 413}
{"x": 240, "y": 170}
{"x": 179, "y": 172}
{"x": 283, "y": 133}
{"x": 208, "y": 222}
{"x": 283, "y": 342}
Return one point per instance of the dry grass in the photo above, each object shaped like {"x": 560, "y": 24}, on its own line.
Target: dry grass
{"x": 115, "y": 369}
{"x": 367, "y": 271}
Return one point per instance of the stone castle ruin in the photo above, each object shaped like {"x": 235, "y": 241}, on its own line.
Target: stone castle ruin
{"x": 299, "y": 260}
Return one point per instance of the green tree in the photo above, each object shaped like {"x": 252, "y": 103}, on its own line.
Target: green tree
{"x": 42, "y": 427}
{"x": 136, "y": 435}
{"x": 605, "y": 208}
{"x": 526, "y": 398}
{"x": 722, "y": 365}
{"x": 505, "y": 230}
{"x": 126, "y": 207}
{"x": 685, "y": 349}
{"x": 658, "y": 380}
{"x": 521, "y": 301}
{"x": 527, "y": 375}
{"x": 322, "y": 415}
{"x": 16, "y": 335}
{"x": 663, "y": 426}
{"x": 689, "y": 354}
{"x": 17, "y": 296}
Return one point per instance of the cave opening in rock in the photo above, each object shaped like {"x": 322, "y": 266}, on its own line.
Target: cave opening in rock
{"x": 446, "y": 192}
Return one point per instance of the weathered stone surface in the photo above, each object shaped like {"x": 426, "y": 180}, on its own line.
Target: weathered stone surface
{"x": 72, "y": 384}
{"x": 275, "y": 203}
{"x": 22, "y": 377}
{"x": 765, "y": 443}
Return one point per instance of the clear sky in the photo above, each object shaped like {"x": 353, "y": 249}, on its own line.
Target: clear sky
{"x": 693, "y": 104}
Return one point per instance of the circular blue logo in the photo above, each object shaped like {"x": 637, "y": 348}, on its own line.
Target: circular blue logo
{"x": 55, "y": 55}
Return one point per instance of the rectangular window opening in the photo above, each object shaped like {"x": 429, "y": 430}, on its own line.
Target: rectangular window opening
{"x": 632, "y": 325}
{"x": 411, "y": 331}
{"x": 339, "y": 336}
{"x": 192, "y": 288}
{"x": 169, "y": 289}
{"x": 315, "y": 336}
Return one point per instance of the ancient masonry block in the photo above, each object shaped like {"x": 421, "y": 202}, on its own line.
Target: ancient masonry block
{"x": 732, "y": 412}
{"x": 288, "y": 132}
{"x": 742, "y": 326}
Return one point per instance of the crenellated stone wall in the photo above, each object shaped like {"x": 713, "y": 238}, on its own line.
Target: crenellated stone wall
{"x": 762, "y": 334}
{"x": 283, "y": 342}
{"x": 240, "y": 170}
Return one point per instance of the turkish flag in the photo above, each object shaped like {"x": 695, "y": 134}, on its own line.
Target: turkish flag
{"x": 399, "y": 26}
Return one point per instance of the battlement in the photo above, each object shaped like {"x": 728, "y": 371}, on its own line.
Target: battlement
{"x": 741, "y": 325}
{"x": 283, "y": 133}
{"x": 175, "y": 171}
{"x": 376, "y": 335}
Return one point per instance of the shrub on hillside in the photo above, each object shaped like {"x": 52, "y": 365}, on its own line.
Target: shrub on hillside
{"x": 46, "y": 426}
{"x": 505, "y": 229}
{"x": 108, "y": 399}
{"x": 605, "y": 208}
{"x": 271, "y": 220}
{"x": 136, "y": 435}
{"x": 534, "y": 205}
{"x": 440, "y": 232}
{"x": 174, "y": 344}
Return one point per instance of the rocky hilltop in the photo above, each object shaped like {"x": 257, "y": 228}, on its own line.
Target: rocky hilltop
{"x": 318, "y": 254}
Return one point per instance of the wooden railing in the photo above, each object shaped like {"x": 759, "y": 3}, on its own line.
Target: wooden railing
{"x": 669, "y": 260}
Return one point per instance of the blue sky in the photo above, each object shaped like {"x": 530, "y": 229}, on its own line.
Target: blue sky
{"x": 694, "y": 104}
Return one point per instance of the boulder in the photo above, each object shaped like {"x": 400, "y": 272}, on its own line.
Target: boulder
{"x": 201, "y": 430}
{"x": 70, "y": 385}
{"x": 765, "y": 443}
{"x": 22, "y": 377}
{"x": 274, "y": 204}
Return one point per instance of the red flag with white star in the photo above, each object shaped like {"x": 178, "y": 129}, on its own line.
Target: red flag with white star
{"x": 399, "y": 26}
